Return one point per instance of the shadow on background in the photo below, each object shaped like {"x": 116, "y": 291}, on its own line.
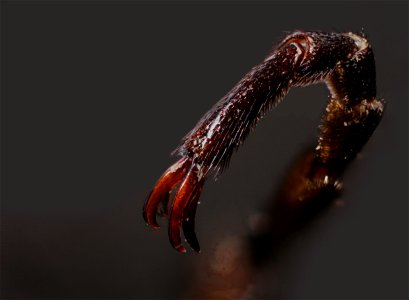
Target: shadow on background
{"x": 235, "y": 267}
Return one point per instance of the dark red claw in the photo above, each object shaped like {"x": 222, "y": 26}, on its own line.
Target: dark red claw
{"x": 160, "y": 193}
{"x": 188, "y": 223}
{"x": 183, "y": 196}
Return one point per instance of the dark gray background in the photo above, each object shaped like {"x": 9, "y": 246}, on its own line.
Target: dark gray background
{"x": 95, "y": 95}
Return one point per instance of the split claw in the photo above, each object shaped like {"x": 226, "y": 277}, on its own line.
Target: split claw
{"x": 183, "y": 176}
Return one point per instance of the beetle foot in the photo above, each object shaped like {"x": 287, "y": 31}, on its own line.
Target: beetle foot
{"x": 185, "y": 178}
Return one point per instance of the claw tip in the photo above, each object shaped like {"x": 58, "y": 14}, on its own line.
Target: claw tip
{"x": 180, "y": 249}
{"x": 154, "y": 226}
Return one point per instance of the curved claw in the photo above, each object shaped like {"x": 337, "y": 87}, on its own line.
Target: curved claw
{"x": 188, "y": 223}
{"x": 184, "y": 173}
{"x": 160, "y": 193}
{"x": 186, "y": 197}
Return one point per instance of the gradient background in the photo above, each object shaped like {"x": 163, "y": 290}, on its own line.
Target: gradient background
{"x": 95, "y": 95}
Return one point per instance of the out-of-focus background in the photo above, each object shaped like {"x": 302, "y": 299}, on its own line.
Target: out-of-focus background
{"x": 96, "y": 95}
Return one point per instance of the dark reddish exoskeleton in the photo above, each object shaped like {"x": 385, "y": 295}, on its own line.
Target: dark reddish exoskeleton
{"x": 344, "y": 61}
